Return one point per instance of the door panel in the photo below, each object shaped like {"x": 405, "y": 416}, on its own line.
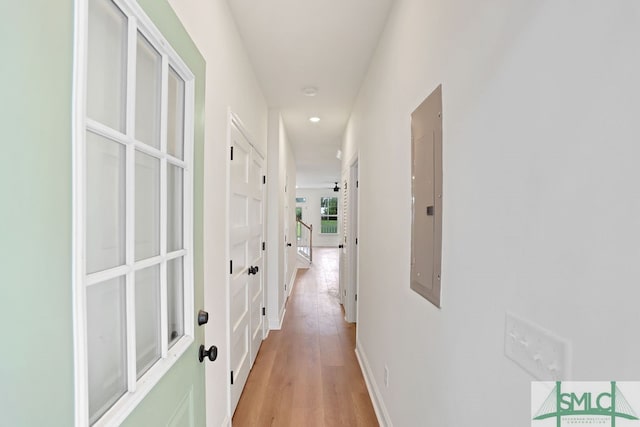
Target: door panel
{"x": 256, "y": 255}
{"x": 353, "y": 249}
{"x": 240, "y": 279}
{"x": 246, "y": 234}
{"x": 148, "y": 299}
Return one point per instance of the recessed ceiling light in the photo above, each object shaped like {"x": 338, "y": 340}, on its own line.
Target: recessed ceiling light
{"x": 314, "y": 119}
{"x": 310, "y": 90}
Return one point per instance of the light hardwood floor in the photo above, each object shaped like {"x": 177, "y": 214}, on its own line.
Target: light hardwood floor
{"x": 307, "y": 373}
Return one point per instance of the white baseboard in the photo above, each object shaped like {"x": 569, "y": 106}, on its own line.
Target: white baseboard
{"x": 292, "y": 281}
{"x": 376, "y": 397}
{"x": 302, "y": 262}
{"x": 276, "y": 324}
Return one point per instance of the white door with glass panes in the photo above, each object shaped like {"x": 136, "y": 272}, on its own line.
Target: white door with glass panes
{"x": 133, "y": 180}
{"x": 246, "y": 285}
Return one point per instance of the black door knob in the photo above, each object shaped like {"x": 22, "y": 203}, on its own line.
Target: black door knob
{"x": 255, "y": 269}
{"x": 289, "y": 244}
{"x": 212, "y": 353}
{"x": 203, "y": 317}
{"x": 340, "y": 246}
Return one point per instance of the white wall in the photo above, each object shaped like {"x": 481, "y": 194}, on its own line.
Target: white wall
{"x": 541, "y": 200}
{"x": 231, "y": 84}
{"x": 281, "y": 219}
{"x": 311, "y": 214}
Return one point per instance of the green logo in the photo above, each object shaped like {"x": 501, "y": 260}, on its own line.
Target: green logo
{"x": 585, "y": 403}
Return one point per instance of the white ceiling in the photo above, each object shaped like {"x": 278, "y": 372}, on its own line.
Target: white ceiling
{"x": 326, "y": 44}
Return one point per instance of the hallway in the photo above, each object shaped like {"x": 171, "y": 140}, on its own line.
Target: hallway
{"x": 307, "y": 373}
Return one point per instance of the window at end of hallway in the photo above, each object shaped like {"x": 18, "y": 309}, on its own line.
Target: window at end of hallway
{"x": 329, "y": 215}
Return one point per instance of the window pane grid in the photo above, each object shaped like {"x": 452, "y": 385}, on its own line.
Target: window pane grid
{"x": 102, "y": 276}
{"x": 328, "y": 215}
{"x": 121, "y": 138}
{"x": 154, "y": 316}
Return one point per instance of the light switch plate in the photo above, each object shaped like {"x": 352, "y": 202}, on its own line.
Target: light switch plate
{"x": 537, "y": 350}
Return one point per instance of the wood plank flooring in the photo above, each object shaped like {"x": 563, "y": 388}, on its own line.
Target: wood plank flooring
{"x": 307, "y": 373}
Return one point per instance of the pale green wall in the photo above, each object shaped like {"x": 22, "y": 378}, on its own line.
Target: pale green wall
{"x": 36, "y": 360}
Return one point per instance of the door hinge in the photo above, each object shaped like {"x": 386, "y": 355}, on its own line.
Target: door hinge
{"x": 231, "y": 377}
{"x": 232, "y": 152}
{"x": 357, "y": 184}
{"x": 264, "y": 311}
{"x": 356, "y": 297}
{"x": 264, "y": 246}
{"x": 230, "y": 266}
{"x": 356, "y": 240}
{"x": 264, "y": 179}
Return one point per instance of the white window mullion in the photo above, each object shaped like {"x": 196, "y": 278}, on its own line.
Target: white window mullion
{"x": 103, "y": 130}
{"x": 176, "y": 162}
{"x": 103, "y": 276}
{"x": 164, "y": 312}
{"x": 130, "y": 204}
{"x": 188, "y": 174}
{"x": 131, "y": 332}
{"x": 164, "y": 99}
{"x": 164, "y": 299}
{"x": 175, "y": 254}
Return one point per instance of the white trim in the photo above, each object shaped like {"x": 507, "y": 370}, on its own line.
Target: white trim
{"x": 235, "y": 119}
{"x": 376, "y": 397}
{"x": 227, "y": 257}
{"x": 78, "y": 114}
{"x": 277, "y": 324}
{"x": 226, "y": 422}
{"x": 292, "y": 280}
{"x": 130, "y": 187}
{"x": 188, "y": 265}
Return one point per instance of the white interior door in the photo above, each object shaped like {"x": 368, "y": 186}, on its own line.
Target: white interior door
{"x": 239, "y": 236}
{"x": 256, "y": 258}
{"x": 352, "y": 287}
{"x": 342, "y": 247}
{"x": 349, "y": 251}
{"x": 246, "y": 286}
{"x": 287, "y": 243}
